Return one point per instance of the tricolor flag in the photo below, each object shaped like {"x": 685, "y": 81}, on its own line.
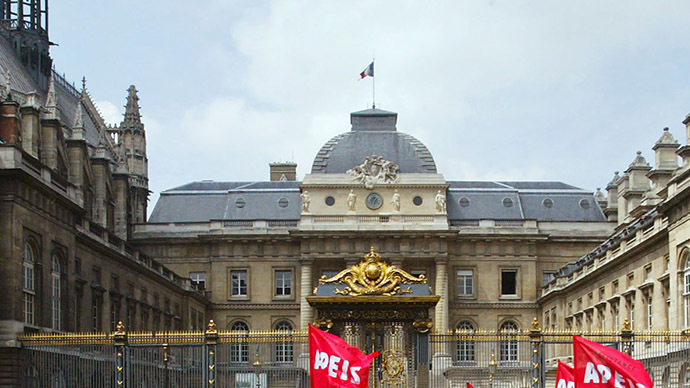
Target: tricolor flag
{"x": 333, "y": 363}
{"x": 368, "y": 71}
{"x": 598, "y": 366}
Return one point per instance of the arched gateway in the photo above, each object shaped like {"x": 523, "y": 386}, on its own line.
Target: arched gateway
{"x": 378, "y": 307}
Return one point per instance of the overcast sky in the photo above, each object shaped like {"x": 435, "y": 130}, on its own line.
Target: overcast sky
{"x": 497, "y": 90}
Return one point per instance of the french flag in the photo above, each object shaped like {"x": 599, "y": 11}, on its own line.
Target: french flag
{"x": 368, "y": 71}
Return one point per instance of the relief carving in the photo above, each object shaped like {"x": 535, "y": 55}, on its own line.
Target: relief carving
{"x": 375, "y": 170}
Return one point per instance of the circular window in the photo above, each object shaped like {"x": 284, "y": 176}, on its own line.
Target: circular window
{"x": 507, "y": 202}
{"x": 283, "y": 202}
{"x": 330, "y": 201}
{"x": 417, "y": 200}
{"x": 584, "y": 203}
{"x": 374, "y": 201}
{"x": 239, "y": 202}
{"x": 547, "y": 202}
{"x": 464, "y": 202}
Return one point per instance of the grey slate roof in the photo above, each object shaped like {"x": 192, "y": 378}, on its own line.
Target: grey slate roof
{"x": 207, "y": 200}
{"x": 22, "y": 84}
{"x": 530, "y": 200}
{"x": 244, "y": 201}
{"x": 373, "y": 133}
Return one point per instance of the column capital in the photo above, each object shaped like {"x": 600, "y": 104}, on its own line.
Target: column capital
{"x": 306, "y": 260}
{"x": 441, "y": 260}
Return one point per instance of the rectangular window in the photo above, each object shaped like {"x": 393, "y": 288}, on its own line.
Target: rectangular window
{"x": 630, "y": 302}
{"x": 283, "y": 283}
{"x": 509, "y": 282}
{"x": 97, "y": 313}
{"x": 199, "y": 278}
{"x": 114, "y": 314}
{"x": 238, "y": 285}
{"x": 649, "y": 311}
{"x": 547, "y": 276}
{"x": 465, "y": 282}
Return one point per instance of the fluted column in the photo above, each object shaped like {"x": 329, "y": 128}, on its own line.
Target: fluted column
{"x": 305, "y": 310}
{"x": 441, "y": 316}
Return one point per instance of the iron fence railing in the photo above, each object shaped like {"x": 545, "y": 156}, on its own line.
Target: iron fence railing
{"x": 262, "y": 359}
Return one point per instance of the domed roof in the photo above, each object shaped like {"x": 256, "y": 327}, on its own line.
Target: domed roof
{"x": 373, "y": 133}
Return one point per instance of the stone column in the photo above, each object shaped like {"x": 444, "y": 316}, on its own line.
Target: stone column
{"x": 305, "y": 310}
{"x": 441, "y": 288}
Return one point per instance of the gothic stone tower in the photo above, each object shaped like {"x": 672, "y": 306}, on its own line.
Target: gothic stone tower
{"x": 132, "y": 138}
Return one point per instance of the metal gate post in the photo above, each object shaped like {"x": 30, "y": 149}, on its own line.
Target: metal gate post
{"x": 535, "y": 338}
{"x": 211, "y": 336}
{"x": 627, "y": 338}
{"x": 120, "y": 339}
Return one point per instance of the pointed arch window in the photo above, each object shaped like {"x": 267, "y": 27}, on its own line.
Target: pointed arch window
{"x": 465, "y": 346}
{"x": 284, "y": 349}
{"x": 239, "y": 349}
{"x": 56, "y": 289}
{"x": 29, "y": 283}
{"x": 509, "y": 345}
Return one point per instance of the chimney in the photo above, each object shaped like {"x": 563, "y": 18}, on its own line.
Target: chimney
{"x": 283, "y": 171}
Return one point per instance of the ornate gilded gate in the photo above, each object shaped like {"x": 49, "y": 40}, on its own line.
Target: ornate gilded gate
{"x": 379, "y": 307}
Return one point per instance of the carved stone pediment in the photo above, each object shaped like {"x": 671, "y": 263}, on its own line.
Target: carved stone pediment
{"x": 372, "y": 276}
{"x": 374, "y": 170}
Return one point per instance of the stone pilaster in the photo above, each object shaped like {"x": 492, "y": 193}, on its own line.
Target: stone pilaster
{"x": 305, "y": 310}
{"x": 441, "y": 288}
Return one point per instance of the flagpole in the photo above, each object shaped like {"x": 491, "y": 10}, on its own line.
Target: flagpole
{"x": 373, "y": 104}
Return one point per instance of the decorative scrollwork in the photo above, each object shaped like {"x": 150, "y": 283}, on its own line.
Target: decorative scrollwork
{"x": 393, "y": 366}
{"x": 372, "y": 276}
{"x": 423, "y": 325}
{"x": 324, "y": 324}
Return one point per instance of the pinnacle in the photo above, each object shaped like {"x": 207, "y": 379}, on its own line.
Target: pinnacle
{"x": 132, "y": 115}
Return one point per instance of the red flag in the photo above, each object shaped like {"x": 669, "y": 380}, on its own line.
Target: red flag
{"x": 334, "y": 363}
{"x": 598, "y": 366}
{"x": 565, "y": 376}
{"x": 469, "y": 385}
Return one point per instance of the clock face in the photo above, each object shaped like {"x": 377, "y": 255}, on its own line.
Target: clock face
{"x": 374, "y": 201}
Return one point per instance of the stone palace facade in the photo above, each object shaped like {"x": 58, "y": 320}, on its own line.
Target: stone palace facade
{"x": 77, "y": 252}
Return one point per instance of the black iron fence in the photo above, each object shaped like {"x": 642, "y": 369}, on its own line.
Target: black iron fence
{"x": 212, "y": 358}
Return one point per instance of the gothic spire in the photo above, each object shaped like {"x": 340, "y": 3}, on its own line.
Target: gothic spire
{"x": 79, "y": 116}
{"x": 51, "y": 99}
{"x": 132, "y": 115}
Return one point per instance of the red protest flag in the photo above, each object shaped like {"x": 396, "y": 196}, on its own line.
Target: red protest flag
{"x": 598, "y": 366}
{"x": 469, "y": 385}
{"x": 565, "y": 376}
{"x": 334, "y": 363}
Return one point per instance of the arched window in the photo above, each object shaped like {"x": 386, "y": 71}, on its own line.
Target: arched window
{"x": 56, "y": 286}
{"x": 686, "y": 290}
{"x": 31, "y": 377}
{"x": 284, "y": 350}
{"x": 57, "y": 380}
{"x": 239, "y": 350}
{"x": 465, "y": 346}
{"x": 29, "y": 284}
{"x": 509, "y": 344}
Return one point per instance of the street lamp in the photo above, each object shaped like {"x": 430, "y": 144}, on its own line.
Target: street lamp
{"x": 257, "y": 369}
{"x": 492, "y": 369}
